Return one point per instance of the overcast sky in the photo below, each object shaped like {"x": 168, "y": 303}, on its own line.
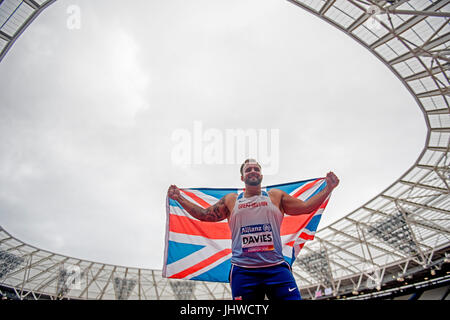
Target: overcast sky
{"x": 88, "y": 116}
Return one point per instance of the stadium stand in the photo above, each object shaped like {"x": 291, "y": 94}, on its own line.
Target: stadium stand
{"x": 434, "y": 294}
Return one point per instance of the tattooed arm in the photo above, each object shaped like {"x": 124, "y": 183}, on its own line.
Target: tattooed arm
{"x": 216, "y": 212}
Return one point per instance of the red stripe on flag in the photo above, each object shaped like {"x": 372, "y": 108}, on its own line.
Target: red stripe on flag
{"x": 290, "y": 244}
{"x": 306, "y": 236}
{"x": 293, "y": 224}
{"x": 197, "y": 199}
{"x": 211, "y": 230}
{"x": 324, "y": 204}
{"x": 201, "y": 264}
{"x": 305, "y": 187}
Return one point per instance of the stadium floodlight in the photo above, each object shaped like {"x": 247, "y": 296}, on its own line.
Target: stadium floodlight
{"x": 317, "y": 265}
{"x": 183, "y": 290}
{"x": 395, "y": 232}
{"x": 8, "y": 262}
{"x": 123, "y": 288}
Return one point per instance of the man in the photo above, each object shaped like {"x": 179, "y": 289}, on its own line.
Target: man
{"x": 254, "y": 217}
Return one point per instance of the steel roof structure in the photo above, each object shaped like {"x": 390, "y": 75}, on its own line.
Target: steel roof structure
{"x": 402, "y": 231}
{"x": 15, "y": 17}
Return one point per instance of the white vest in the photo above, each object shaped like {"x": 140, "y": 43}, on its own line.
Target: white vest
{"x": 255, "y": 232}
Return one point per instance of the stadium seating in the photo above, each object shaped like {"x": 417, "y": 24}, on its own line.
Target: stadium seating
{"x": 435, "y": 294}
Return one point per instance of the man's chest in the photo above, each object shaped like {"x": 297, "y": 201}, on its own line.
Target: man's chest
{"x": 275, "y": 199}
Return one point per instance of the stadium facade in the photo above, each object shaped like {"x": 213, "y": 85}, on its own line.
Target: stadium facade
{"x": 396, "y": 243}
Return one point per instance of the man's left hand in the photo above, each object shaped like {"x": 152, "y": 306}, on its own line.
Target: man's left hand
{"x": 332, "y": 180}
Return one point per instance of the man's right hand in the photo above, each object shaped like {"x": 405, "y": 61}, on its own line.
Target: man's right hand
{"x": 174, "y": 193}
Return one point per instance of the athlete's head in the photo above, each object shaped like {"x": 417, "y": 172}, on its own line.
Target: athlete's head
{"x": 251, "y": 172}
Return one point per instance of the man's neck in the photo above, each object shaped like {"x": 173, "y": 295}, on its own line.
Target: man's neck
{"x": 251, "y": 191}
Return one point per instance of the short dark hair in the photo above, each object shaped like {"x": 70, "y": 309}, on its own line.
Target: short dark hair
{"x": 248, "y": 161}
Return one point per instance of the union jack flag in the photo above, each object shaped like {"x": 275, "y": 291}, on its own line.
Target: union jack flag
{"x": 199, "y": 250}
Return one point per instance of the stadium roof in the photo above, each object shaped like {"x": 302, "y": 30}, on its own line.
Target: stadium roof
{"x": 403, "y": 230}
{"x": 15, "y": 17}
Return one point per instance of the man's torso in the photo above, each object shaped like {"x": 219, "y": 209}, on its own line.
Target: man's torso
{"x": 255, "y": 224}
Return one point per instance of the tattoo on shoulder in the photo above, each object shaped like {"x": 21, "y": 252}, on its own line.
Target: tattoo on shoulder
{"x": 217, "y": 212}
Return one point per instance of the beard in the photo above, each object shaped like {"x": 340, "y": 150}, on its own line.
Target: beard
{"x": 253, "y": 181}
